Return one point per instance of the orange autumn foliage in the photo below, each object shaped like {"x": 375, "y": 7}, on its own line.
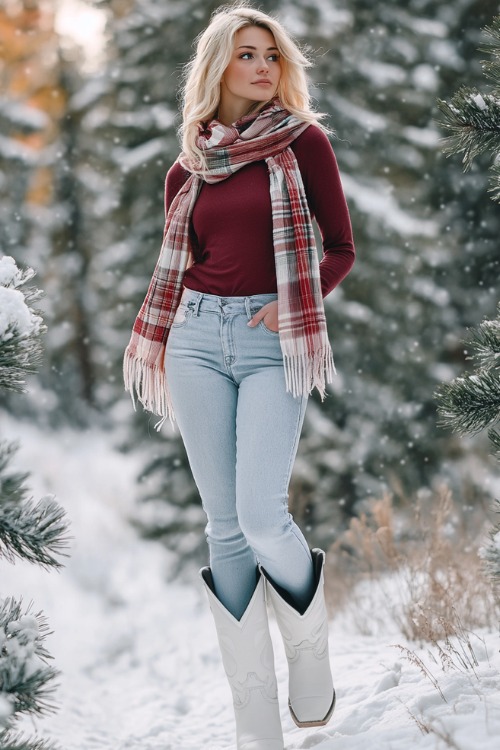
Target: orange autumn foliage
{"x": 29, "y": 74}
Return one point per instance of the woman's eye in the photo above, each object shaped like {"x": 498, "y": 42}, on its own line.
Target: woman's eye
{"x": 249, "y": 55}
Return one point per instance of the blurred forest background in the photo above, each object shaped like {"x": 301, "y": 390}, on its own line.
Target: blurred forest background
{"x": 87, "y": 134}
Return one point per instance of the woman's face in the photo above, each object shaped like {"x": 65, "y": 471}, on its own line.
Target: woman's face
{"x": 254, "y": 71}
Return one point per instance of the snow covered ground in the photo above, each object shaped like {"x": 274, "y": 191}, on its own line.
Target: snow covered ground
{"x": 139, "y": 659}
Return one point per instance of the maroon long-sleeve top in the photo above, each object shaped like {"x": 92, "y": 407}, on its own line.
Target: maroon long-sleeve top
{"x": 232, "y": 229}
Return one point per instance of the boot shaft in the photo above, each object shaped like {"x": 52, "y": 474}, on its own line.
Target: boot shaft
{"x": 248, "y": 659}
{"x": 305, "y": 637}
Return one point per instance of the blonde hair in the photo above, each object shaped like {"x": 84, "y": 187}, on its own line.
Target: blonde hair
{"x": 214, "y": 48}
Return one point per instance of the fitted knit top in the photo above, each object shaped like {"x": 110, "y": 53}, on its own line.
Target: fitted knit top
{"x": 231, "y": 226}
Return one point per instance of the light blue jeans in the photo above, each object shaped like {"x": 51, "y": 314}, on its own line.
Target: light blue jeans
{"x": 241, "y": 431}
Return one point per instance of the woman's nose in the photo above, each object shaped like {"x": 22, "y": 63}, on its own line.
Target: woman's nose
{"x": 263, "y": 65}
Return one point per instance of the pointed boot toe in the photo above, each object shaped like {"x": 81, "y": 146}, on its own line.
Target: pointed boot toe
{"x": 312, "y": 711}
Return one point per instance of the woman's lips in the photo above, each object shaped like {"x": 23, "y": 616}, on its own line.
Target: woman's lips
{"x": 262, "y": 83}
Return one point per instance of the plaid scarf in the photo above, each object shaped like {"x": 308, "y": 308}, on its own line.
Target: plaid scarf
{"x": 307, "y": 355}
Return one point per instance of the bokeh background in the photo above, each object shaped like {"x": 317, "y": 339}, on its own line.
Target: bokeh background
{"x": 88, "y": 117}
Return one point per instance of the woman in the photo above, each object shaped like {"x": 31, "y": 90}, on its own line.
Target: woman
{"x": 232, "y": 338}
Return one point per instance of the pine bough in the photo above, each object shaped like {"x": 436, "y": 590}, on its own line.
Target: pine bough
{"x": 33, "y": 531}
{"x": 471, "y": 403}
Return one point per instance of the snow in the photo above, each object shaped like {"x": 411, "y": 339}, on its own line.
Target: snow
{"x": 140, "y": 155}
{"x": 373, "y": 200}
{"x": 444, "y": 53}
{"x": 138, "y": 652}
{"x": 427, "y": 289}
{"x": 381, "y": 74}
{"x": 425, "y": 78}
{"x": 15, "y": 315}
{"x": 10, "y": 275}
{"x": 298, "y": 22}
{"x": 6, "y": 709}
{"x": 89, "y": 94}
{"x": 372, "y": 121}
{"x": 424, "y": 137}
{"x": 495, "y": 540}
{"x": 423, "y": 26}
{"x": 479, "y": 101}
{"x": 13, "y": 150}
{"x": 24, "y": 116}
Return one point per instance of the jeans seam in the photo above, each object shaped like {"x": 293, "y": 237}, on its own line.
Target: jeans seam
{"x": 228, "y": 367}
{"x": 294, "y": 449}
{"x": 292, "y": 455}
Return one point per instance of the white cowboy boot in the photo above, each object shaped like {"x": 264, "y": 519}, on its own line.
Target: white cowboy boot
{"x": 310, "y": 686}
{"x": 248, "y": 658}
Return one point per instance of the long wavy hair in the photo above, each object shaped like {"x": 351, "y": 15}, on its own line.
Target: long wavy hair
{"x": 203, "y": 74}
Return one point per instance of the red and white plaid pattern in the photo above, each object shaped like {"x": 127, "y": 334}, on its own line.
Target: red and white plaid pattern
{"x": 303, "y": 335}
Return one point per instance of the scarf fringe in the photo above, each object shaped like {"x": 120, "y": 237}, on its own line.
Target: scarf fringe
{"x": 149, "y": 382}
{"x": 303, "y": 373}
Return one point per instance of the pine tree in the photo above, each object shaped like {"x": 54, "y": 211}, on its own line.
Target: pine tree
{"x": 471, "y": 402}
{"x": 35, "y": 532}
{"x": 21, "y": 124}
{"x": 473, "y": 117}
{"x": 32, "y": 104}
{"x": 378, "y": 70}
{"x": 20, "y": 326}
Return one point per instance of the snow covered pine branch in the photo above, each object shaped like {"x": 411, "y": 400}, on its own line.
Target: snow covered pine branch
{"x": 20, "y": 325}
{"x": 473, "y": 118}
{"x": 471, "y": 402}
{"x": 33, "y": 531}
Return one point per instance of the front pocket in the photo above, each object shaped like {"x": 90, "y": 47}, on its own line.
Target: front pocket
{"x": 268, "y": 330}
{"x": 182, "y": 315}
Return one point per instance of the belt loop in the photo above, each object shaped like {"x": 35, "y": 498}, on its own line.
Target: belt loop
{"x": 248, "y": 307}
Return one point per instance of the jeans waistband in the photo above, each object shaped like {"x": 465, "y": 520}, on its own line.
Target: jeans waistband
{"x": 215, "y": 303}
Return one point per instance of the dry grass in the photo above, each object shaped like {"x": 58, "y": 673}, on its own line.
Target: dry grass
{"x": 436, "y": 729}
{"x": 419, "y": 570}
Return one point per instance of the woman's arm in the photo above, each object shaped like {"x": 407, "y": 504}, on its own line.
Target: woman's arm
{"x": 326, "y": 200}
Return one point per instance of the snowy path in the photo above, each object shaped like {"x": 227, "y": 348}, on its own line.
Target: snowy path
{"x": 139, "y": 658}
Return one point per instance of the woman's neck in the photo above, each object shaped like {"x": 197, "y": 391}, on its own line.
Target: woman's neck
{"x": 229, "y": 112}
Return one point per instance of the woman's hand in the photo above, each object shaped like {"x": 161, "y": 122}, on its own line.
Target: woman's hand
{"x": 269, "y": 314}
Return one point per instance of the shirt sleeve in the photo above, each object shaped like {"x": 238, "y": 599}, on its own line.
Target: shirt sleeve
{"x": 327, "y": 204}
